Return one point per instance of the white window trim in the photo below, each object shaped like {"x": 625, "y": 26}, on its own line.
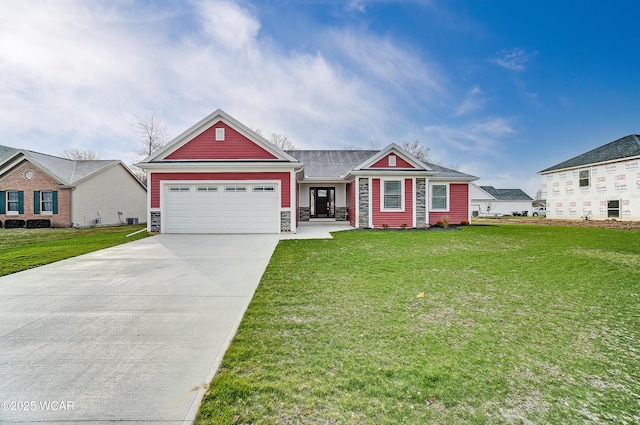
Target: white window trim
{"x": 446, "y": 185}
{"x": 588, "y": 178}
{"x": 402, "y": 195}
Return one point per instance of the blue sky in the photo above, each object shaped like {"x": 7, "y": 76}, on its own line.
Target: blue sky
{"x": 497, "y": 89}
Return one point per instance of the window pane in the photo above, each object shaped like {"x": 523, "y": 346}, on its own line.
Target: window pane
{"x": 392, "y": 201}
{"x": 439, "y": 190}
{"x": 12, "y": 201}
{"x": 439, "y": 197}
{"x": 439, "y": 203}
{"x": 47, "y": 201}
{"x": 392, "y": 187}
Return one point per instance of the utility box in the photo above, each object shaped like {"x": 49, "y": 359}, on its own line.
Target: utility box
{"x": 133, "y": 220}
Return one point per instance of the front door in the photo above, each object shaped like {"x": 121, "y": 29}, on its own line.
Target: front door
{"x": 322, "y": 201}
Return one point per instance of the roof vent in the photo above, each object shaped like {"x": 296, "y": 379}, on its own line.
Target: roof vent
{"x": 220, "y": 134}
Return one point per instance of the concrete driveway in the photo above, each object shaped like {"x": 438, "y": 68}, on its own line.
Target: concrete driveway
{"x": 131, "y": 333}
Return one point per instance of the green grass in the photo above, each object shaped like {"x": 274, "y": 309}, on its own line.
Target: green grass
{"x": 22, "y": 249}
{"x": 518, "y": 324}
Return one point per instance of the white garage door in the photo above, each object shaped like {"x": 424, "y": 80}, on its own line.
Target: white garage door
{"x": 221, "y": 208}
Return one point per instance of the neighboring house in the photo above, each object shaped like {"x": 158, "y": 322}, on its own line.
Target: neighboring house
{"x": 601, "y": 184}
{"x": 219, "y": 176}
{"x": 487, "y": 200}
{"x": 69, "y": 193}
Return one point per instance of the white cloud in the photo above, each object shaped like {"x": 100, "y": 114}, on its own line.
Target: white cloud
{"x": 228, "y": 23}
{"x": 355, "y": 5}
{"x": 400, "y": 68}
{"x": 74, "y": 74}
{"x": 514, "y": 59}
{"x": 479, "y": 136}
{"x": 471, "y": 103}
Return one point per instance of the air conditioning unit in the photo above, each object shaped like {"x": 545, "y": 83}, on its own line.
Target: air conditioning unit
{"x": 132, "y": 220}
{"x": 97, "y": 220}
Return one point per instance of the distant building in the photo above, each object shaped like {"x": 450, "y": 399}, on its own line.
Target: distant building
{"x": 487, "y": 200}
{"x": 78, "y": 193}
{"x": 601, "y": 184}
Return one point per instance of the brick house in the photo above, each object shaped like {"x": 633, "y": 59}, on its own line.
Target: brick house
{"x": 68, "y": 193}
{"x": 219, "y": 176}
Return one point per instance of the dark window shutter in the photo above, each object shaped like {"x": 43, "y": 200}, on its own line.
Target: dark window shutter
{"x": 36, "y": 202}
{"x": 54, "y": 196}
{"x": 3, "y": 202}
{"x": 21, "y": 202}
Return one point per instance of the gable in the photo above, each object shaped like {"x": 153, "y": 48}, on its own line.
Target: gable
{"x": 392, "y": 160}
{"x": 234, "y": 145}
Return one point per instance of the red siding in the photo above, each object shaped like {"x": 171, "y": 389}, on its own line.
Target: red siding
{"x": 235, "y": 146}
{"x": 285, "y": 182}
{"x": 384, "y": 163}
{"x": 392, "y": 219}
{"x": 351, "y": 203}
{"x": 458, "y": 205}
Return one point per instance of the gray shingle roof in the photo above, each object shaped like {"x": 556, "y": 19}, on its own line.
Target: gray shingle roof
{"x": 66, "y": 171}
{"x": 448, "y": 173}
{"x": 332, "y": 164}
{"x": 507, "y": 194}
{"x": 625, "y": 147}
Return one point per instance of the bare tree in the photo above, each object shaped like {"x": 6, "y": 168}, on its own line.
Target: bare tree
{"x": 79, "y": 154}
{"x": 352, "y": 147}
{"x": 417, "y": 149}
{"x": 256, "y": 130}
{"x": 151, "y": 133}
{"x": 282, "y": 141}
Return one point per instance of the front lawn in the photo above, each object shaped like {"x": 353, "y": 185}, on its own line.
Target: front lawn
{"x": 517, "y": 325}
{"x": 22, "y": 249}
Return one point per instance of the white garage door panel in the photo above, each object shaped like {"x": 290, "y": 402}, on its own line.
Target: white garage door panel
{"x": 193, "y": 208}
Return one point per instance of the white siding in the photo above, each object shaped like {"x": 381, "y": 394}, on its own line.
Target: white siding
{"x": 104, "y": 195}
{"x": 615, "y": 181}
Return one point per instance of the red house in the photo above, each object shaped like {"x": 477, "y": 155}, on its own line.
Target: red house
{"x": 219, "y": 176}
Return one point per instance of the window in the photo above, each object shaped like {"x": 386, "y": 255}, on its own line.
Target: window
{"x": 392, "y": 160}
{"x": 584, "y": 178}
{"x": 46, "y": 202}
{"x": 13, "y": 202}
{"x": 264, "y": 189}
{"x": 613, "y": 209}
{"x": 235, "y": 189}
{"x": 392, "y": 195}
{"x": 439, "y": 197}
{"x": 179, "y": 189}
{"x": 219, "y": 134}
{"x": 207, "y": 189}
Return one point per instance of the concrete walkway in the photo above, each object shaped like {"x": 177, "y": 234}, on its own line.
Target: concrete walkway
{"x": 317, "y": 230}
{"x": 131, "y": 333}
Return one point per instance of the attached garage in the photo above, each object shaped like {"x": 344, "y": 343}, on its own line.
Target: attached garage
{"x": 221, "y": 207}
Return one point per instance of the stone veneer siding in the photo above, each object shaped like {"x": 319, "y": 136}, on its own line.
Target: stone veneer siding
{"x": 421, "y": 203}
{"x": 305, "y": 213}
{"x": 341, "y": 213}
{"x": 363, "y": 202}
{"x": 154, "y": 217}
{"x": 285, "y": 221}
